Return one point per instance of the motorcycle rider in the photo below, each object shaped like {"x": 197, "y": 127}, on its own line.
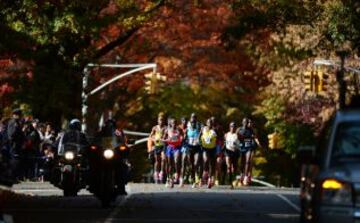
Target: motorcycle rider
{"x": 73, "y": 135}
{"x": 117, "y": 137}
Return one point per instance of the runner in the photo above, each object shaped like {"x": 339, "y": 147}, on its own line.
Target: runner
{"x": 219, "y": 174}
{"x": 184, "y": 123}
{"x": 191, "y": 151}
{"x": 157, "y": 147}
{"x": 248, "y": 141}
{"x": 255, "y": 144}
{"x": 173, "y": 138}
{"x": 208, "y": 142}
{"x": 232, "y": 144}
{"x": 183, "y": 127}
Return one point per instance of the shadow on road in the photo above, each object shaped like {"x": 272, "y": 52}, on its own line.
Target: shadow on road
{"x": 154, "y": 206}
{"x": 54, "y": 209}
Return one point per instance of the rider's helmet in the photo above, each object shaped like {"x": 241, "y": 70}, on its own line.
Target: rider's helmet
{"x": 75, "y": 124}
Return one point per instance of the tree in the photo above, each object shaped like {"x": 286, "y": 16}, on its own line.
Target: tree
{"x": 57, "y": 39}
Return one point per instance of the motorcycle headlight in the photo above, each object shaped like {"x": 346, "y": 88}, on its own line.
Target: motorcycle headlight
{"x": 335, "y": 192}
{"x": 108, "y": 154}
{"x": 69, "y": 155}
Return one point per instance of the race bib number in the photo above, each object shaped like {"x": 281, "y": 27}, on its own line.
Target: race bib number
{"x": 230, "y": 144}
{"x": 174, "y": 138}
{"x": 193, "y": 141}
{"x": 247, "y": 143}
{"x": 208, "y": 139}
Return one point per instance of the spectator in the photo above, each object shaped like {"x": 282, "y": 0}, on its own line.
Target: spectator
{"x": 16, "y": 138}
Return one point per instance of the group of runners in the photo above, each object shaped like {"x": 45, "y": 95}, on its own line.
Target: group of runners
{"x": 199, "y": 151}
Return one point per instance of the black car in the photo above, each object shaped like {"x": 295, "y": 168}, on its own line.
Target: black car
{"x": 330, "y": 177}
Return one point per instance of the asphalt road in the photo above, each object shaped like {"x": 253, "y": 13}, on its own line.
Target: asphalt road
{"x": 36, "y": 202}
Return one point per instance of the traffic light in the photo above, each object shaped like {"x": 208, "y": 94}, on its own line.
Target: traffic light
{"x": 160, "y": 77}
{"x": 323, "y": 80}
{"x": 273, "y": 140}
{"x": 276, "y": 141}
{"x": 150, "y": 85}
{"x": 152, "y": 82}
{"x": 309, "y": 81}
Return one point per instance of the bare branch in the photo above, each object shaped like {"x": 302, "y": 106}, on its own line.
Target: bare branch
{"x": 125, "y": 35}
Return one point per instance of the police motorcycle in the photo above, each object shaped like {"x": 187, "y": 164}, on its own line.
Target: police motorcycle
{"x": 109, "y": 165}
{"x": 71, "y": 166}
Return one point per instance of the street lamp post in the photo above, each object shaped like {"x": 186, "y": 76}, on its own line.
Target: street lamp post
{"x": 84, "y": 98}
{"x": 85, "y": 83}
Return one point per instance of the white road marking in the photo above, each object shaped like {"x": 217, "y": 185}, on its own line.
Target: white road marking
{"x": 165, "y": 220}
{"x": 290, "y": 203}
{"x": 116, "y": 211}
{"x": 237, "y": 211}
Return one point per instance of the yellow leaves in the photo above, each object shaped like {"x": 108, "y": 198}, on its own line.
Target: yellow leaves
{"x": 133, "y": 21}
{"x": 134, "y": 107}
{"x": 18, "y": 26}
{"x": 169, "y": 64}
{"x": 66, "y": 22}
{"x": 232, "y": 111}
{"x": 326, "y": 113}
{"x": 196, "y": 88}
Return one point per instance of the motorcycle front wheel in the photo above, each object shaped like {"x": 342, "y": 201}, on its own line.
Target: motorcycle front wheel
{"x": 69, "y": 188}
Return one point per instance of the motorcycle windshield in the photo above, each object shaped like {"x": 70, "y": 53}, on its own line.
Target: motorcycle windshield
{"x": 73, "y": 147}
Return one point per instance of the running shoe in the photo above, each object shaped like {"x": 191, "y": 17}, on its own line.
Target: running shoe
{"x": 176, "y": 178}
{"x": 161, "y": 176}
{"x": 168, "y": 184}
{"x": 194, "y": 185}
{"x": 205, "y": 177}
{"x": 235, "y": 183}
{"x": 246, "y": 181}
{"x": 156, "y": 177}
{"x": 209, "y": 183}
{"x": 197, "y": 179}
{"x": 241, "y": 180}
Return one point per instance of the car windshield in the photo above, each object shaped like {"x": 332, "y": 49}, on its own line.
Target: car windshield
{"x": 347, "y": 140}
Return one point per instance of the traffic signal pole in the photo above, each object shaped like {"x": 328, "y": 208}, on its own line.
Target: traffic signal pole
{"x": 85, "y": 83}
{"x": 340, "y": 73}
{"x": 340, "y": 79}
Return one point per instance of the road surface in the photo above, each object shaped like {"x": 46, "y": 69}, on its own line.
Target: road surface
{"x": 40, "y": 202}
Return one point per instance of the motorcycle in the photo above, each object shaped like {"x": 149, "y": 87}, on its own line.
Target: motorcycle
{"x": 109, "y": 168}
{"x": 70, "y": 170}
